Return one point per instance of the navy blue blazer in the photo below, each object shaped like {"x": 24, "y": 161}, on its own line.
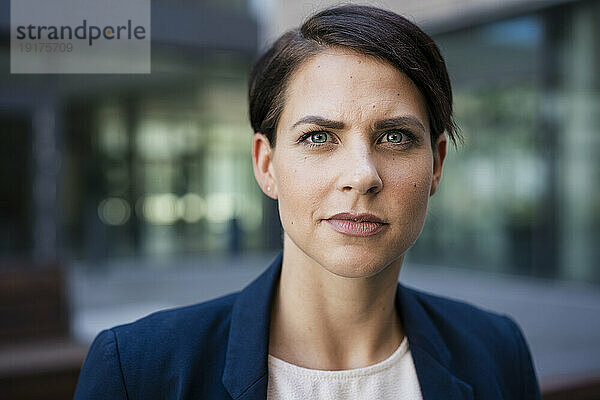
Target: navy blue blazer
{"x": 218, "y": 350}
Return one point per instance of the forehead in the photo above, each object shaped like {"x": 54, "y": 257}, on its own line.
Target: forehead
{"x": 342, "y": 84}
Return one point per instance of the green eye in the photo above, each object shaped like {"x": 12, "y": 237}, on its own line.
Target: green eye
{"x": 318, "y": 137}
{"x": 394, "y": 137}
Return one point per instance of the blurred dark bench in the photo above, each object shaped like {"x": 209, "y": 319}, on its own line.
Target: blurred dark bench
{"x": 579, "y": 387}
{"x": 38, "y": 360}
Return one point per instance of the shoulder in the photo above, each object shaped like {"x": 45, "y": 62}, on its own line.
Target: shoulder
{"x": 171, "y": 351}
{"x": 163, "y": 326}
{"x": 462, "y": 317}
{"x": 178, "y": 335}
{"x": 482, "y": 343}
{"x": 463, "y": 324}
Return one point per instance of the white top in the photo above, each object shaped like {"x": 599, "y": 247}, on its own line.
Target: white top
{"x": 392, "y": 378}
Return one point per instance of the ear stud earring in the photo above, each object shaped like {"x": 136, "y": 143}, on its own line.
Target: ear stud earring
{"x": 268, "y": 188}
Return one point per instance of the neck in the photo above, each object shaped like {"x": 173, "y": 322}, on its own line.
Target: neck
{"x": 324, "y": 321}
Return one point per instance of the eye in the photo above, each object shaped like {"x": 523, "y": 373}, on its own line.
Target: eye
{"x": 399, "y": 138}
{"x": 393, "y": 137}
{"x": 318, "y": 137}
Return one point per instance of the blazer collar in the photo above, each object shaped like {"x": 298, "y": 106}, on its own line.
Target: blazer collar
{"x": 245, "y": 372}
{"x": 429, "y": 351}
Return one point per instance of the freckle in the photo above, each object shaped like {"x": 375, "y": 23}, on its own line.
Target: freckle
{"x": 350, "y": 76}
{"x": 373, "y": 105}
{"x": 414, "y": 184}
{"x": 398, "y": 94}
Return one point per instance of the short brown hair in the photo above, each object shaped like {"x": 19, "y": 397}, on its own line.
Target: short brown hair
{"x": 367, "y": 30}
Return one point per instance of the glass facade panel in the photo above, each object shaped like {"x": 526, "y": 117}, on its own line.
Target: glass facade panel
{"x": 517, "y": 195}
{"x": 167, "y": 172}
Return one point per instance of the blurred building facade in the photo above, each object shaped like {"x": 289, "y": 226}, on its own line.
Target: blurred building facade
{"x": 98, "y": 167}
{"x": 109, "y": 166}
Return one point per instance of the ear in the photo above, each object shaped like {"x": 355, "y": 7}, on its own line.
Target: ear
{"x": 439, "y": 155}
{"x": 262, "y": 163}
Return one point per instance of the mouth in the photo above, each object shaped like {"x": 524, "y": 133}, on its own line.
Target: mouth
{"x": 358, "y": 225}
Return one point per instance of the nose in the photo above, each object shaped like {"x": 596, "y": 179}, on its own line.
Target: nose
{"x": 360, "y": 172}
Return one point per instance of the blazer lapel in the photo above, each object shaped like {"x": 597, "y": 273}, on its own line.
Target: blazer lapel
{"x": 245, "y": 372}
{"x": 435, "y": 380}
{"x": 429, "y": 351}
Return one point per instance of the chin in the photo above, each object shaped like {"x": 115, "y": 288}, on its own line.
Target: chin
{"x": 346, "y": 260}
{"x": 356, "y": 263}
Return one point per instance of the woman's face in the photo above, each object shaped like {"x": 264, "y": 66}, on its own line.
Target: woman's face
{"x": 353, "y": 139}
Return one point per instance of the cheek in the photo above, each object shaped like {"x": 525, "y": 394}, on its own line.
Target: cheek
{"x": 410, "y": 191}
{"x": 300, "y": 188}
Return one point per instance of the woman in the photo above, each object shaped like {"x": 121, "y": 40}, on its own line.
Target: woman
{"x": 352, "y": 114}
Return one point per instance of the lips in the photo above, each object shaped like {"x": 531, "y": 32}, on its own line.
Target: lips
{"x": 359, "y": 225}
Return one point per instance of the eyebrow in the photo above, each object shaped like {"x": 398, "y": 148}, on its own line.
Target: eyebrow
{"x": 316, "y": 120}
{"x": 399, "y": 121}
{"x": 379, "y": 125}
